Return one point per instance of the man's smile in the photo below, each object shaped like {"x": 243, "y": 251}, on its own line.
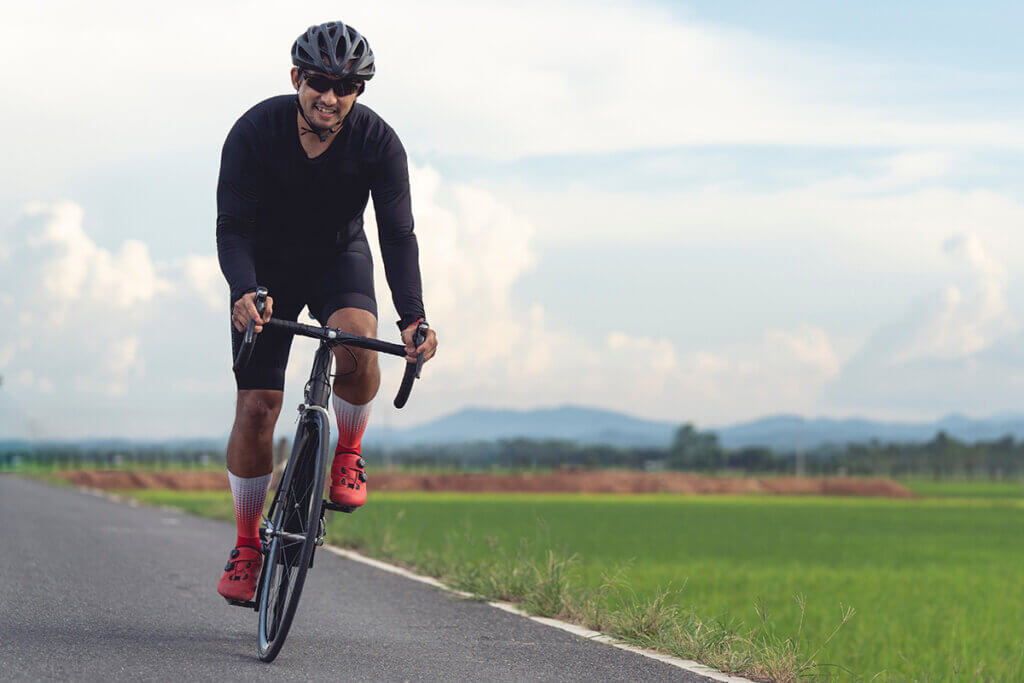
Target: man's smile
{"x": 325, "y": 112}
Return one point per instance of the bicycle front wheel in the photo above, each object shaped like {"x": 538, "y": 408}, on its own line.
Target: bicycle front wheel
{"x": 294, "y": 528}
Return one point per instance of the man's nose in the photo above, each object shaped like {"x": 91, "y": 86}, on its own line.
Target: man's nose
{"x": 329, "y": 98}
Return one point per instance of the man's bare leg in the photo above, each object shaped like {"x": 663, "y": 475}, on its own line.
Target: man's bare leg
{"x": 250, "y": 461}
{"x": 251, "y": 445}
{"x": 251, "y": 458}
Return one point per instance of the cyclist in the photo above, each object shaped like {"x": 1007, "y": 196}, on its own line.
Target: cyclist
{"x": 296, "y": 172}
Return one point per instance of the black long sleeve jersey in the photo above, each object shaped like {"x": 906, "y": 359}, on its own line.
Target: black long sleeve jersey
{"x": 282, "y": 210}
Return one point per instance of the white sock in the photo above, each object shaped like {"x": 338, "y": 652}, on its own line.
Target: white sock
{"x": 352, "y": 421}
{"x": 250, "y": 493}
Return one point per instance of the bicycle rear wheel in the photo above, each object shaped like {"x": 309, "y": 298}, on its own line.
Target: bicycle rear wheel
{"x": 294, "y": 529}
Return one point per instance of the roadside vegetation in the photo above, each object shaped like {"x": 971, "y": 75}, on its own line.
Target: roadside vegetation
{"x": 776, "y": 588}
{"x": 941, "y": 458}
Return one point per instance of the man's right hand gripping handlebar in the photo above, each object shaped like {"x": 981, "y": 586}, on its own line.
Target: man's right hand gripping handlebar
{"x": 249, "y": 313}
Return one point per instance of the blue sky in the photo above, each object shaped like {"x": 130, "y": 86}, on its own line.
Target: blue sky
{"x": 700, "y": 211}
{"x": 978, "y": 36}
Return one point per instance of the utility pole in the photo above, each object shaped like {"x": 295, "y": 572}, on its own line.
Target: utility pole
{"x": 800, "y": 450}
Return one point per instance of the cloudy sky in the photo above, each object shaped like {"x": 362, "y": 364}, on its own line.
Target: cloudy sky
{"x": 703, "y": 211}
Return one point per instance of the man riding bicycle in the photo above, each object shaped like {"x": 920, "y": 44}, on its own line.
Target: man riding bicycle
{"x": 296, "y": 172}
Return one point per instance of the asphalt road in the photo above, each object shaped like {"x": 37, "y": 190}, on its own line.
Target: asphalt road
{"x": 91, "y": 589}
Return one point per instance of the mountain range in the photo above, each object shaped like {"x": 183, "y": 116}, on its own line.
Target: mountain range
{"x": 591, "y": 426}
{"x": 595, "y": 426}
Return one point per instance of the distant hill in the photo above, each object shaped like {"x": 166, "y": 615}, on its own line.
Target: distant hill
{"x": 197, "y": 444}
{"x": 570, "y": 423}
{"x": 591, "y": 425}
{"x": 596, "y": 426}
{"x": 788, "y": 432}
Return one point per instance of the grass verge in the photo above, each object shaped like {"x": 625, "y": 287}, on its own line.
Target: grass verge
{"x": 549, "y": 587}
{"x": 545, "y": 582}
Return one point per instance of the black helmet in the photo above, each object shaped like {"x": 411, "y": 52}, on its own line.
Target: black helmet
{"x": 334, "y": 49}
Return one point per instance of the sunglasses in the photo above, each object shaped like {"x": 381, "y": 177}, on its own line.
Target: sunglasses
{"x": 341, "y": 88}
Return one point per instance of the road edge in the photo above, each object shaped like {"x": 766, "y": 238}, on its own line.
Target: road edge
{"x": 690, "y": 665}
{"x": 686, "y": 664}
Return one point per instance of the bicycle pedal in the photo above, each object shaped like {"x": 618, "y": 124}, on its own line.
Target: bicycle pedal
{"x": 340, "y": 508}
{"x": 251, "y": 604}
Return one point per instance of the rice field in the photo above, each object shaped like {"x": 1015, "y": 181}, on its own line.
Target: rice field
{"x": 937, "y": 583}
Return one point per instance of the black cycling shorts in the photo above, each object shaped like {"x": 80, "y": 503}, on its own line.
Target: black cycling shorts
{"x": 345, "y": 280}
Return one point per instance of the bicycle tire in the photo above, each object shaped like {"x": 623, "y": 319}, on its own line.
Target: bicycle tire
{"x": 296, "y": 509}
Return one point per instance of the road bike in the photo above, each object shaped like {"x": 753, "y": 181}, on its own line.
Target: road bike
{"x": 294, "y": 524}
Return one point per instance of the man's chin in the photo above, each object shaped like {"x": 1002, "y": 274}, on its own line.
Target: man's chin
{"x": 318, "y": 124}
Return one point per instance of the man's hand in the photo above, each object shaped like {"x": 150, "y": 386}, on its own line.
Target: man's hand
{"x": 428, "y": 348}
{"x": 244, "y": 310}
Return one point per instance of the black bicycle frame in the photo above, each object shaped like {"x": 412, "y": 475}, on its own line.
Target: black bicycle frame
{"x": 318, "y": 388}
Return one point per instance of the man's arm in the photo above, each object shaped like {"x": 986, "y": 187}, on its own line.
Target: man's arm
{"x": 398, "y": 246}
{"x": 236, "y": 210}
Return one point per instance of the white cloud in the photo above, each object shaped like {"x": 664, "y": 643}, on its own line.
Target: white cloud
{"x": 27, "y": 380}
{"x": 958, "y": 322}
{"x": 74, "y": 270}
{"x": 950, "y": 350}
{"x": 962, "y": 318}
{"x": 913, "y": 166}
{"x": 487, "y": 79}
{"x": 806, "y": 346}
{"x": 155, "y": 322}
{"x": 94, "y": 323}
{"x": 203, "y": 276}
{"x": 864, "y": 224}
{"x": 495, "y": 350}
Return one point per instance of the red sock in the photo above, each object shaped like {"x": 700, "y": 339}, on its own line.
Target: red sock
{"x": 249, "y": 493}
{"x": 352, "y": 421}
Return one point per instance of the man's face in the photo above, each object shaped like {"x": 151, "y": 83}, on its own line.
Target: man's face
{"x": 323, "y": 109}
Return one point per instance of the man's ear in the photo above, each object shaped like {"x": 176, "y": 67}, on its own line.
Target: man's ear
{"x": 295, "y": 77}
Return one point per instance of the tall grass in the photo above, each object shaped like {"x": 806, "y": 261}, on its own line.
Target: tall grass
{"x": 935, "y": 583}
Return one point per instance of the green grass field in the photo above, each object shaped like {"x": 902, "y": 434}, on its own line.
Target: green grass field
{"x": 929, "y": 488}
{"x": 937, "y": 583}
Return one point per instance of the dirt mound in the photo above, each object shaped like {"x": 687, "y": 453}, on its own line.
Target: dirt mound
{"x": 622, "y": 481}
{"x": 177, "y": 480}
{"x": 569, "y": 481}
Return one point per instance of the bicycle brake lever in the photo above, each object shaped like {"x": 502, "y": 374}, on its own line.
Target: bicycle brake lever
{"x": 249, "y": 336}
{"x": 419, "y": 338}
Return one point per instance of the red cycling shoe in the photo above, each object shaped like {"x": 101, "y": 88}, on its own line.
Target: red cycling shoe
{"x": 241, "y": 574}
{"x": 348, "y": 480}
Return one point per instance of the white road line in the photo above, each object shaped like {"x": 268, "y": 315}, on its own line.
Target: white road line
{"x": 687, "y": 664}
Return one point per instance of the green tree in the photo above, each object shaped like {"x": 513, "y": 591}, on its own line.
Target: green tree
{"x": 695, "y": 450}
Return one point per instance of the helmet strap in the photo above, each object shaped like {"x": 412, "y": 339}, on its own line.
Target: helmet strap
{"x": 313, "y": 129}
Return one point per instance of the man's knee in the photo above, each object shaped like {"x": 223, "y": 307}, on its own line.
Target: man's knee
{"x": 364, "y": 324}
{"x": 365, "y": 372}
{"x": 354, "y": 321}
{"x": 257, "y": 409}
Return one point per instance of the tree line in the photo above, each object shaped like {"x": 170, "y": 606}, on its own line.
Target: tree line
{"x": 691, "y": 450}
{"x": 700, "y": 451}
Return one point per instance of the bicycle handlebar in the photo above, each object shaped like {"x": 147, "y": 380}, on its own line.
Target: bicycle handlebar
{"x": 334, "y": 337}
{"x": 412, "y": 370}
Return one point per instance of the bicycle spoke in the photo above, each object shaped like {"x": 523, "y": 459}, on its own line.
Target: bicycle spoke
{"x": 279, "y": 601}
{"x": 294, "y": 528}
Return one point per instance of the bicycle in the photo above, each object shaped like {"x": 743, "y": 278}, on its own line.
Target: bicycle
{"x": 294, "y": 524}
